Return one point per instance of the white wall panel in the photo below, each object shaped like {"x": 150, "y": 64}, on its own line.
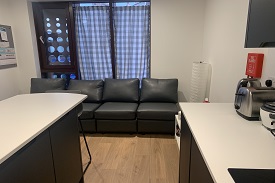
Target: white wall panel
{"x": 177, "y": 35}
{"x": 223, "y": 46}
{"x": 8, "y": 76}
{"x": 24, "y": 35}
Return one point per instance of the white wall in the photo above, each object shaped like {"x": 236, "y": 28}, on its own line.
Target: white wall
{"x": 223, "y": 47}
{"x": 183, "y": 32}
{"x": 16, "y": 80}
{"x": 24, "y": 34}
{"x": 8, "y": 76}
{"x": 176, "y": 40}
{"x": 177, "y": 35}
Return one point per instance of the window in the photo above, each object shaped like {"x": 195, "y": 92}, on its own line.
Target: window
{"x": 106, "y": 40}
{"x": 55, "y": 40}
{"x": 132, "y": 40}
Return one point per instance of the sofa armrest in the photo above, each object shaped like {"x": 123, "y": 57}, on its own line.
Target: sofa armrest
{"x": 92, "y": 88}
{"x": 41, "y": 85}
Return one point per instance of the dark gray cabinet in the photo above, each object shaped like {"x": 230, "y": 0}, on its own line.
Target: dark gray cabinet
{"x": 185, "y": 151}
{"x": 198, "y": 169}
{"x": 31, "y": 164}
{"x": 192, "y": 166}
{"x": 54, "y": 156}
{"x": 260, "y": 26}
{"x": 66, "y": 149}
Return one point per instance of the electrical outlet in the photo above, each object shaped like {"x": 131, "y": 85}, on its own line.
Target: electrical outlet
{"x": 272, "y": 78}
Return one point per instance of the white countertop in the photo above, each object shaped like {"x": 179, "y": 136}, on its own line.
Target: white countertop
{"x": 24, "y": 117}
{"x": 226, "y": 140}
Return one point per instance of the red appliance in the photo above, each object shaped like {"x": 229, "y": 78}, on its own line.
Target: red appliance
{"x": 254, "y": 65}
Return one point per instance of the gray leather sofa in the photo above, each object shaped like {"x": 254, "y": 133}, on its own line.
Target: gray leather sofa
{"x": 158, "y": 106}
{"x": 120, "y": 105}
{"x": 118, "y": 112}
{"x": 93, "y": 89}
{"x": 41, "y": 85}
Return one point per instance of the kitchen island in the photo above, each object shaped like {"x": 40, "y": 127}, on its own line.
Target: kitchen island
{"x": 39, "y": 138}
{"x": 214, "y": 138}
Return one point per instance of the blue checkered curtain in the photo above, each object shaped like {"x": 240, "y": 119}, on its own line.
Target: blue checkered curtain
{"x": 93, "y": 42}
{"x": 132, "y": 41}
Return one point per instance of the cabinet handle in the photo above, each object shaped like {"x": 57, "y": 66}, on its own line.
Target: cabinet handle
{"x": 41, "y": 39}
{"x": 272, "y": 116}
{"x": 272, "y": 132}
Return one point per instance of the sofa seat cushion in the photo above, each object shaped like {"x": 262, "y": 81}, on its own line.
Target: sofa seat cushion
{"x": 116, "y": 110}
{"x": 116, "y": 126}
{"x": 157, "y": 111}
{"x": 89, "y": 125}
{"x": 156, "y": 126}
{"x": 88, "y": 110}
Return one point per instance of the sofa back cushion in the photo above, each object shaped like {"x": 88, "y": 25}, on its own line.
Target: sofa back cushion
{"x": 41, "y": 85}
{"x": 92, "y": 88}
{"x": 121, "y": 90}
{"x": 159, "y": 90}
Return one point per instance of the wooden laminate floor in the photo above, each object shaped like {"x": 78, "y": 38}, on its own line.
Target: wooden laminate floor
{"x": 131, "y": 158}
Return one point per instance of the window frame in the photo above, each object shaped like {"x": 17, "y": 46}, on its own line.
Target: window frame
{"x": 38, "y": 20}
{"x": 69, "y": 6}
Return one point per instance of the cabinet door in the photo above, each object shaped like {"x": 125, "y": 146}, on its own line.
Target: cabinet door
{"x": 185, "y": 151}
{"x": 31, "y": 164}
{"x": 198, "y": 169}
{"x": 66, "y": 149}
{"x": 192, "y": 166}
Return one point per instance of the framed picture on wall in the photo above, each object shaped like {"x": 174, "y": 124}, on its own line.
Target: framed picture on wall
{"x": 7, "y": 51}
